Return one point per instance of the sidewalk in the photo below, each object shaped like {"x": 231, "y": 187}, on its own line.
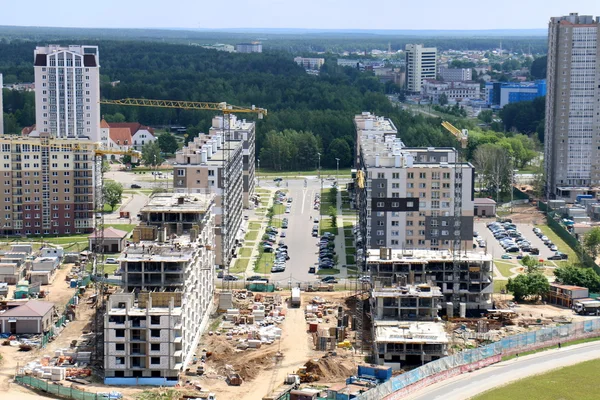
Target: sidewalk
{"x": 261, "y": 231}
{"x": 340, "y": 242}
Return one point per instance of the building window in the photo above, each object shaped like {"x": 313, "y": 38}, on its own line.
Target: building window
{"x": 395, "y": 175}
{"x": 155, "y": 332}
{"x": 120, "y": 360}
{"x": 119, "y": 332}
{"x": 155, "y": 347}
{"x": 120, "y": 347}
{"x": 181, "y": 172}
{"x": 410, "y": 175}
{"x": 154, "y": 319}
{"x": 154, "y": 360}
{"x": 380, "y": 233}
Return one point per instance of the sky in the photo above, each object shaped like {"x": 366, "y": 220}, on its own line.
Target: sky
{"x": 307, "y": 14}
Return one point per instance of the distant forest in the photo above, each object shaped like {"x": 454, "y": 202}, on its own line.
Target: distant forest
{"x": 300, "y": 104}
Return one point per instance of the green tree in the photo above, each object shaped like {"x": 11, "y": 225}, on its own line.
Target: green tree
{"x": 112, "y": 193}
{"x": 116, "y": 117}
{"x": 167, "y": 143}
{"x": 105, "y": 166}
{"x": 339, "y": 148}
{"x": 443, "y": 99}
{"x": 591, "y": 241}
{"x": 537, "y": 285}
{"x": 151, "y": 154}
{"x": 533, "y": 285}
{"x": 486, "y": 116}
{"x": 333, "y": 216}
{"x": 538, "y": 68}
{"x": 518, "y": 286}
{"x": 532, "y": 264}
{"x": 578, "y": 276}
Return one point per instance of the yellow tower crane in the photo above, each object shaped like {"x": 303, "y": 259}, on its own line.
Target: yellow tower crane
{"x": 462, "y": 136}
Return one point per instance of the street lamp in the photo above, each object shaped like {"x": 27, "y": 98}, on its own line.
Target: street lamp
{"x": 337, "y": 173}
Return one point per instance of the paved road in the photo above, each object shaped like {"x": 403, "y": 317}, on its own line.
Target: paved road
{"x": 468, "y": 385}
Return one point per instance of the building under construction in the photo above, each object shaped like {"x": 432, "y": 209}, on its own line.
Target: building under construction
{"x": 151, "y": 330}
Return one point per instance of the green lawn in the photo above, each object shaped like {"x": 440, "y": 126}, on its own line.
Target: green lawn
{"x": 245, "y": 252}
{"x": 264, "y": 263}
{"x": 240, "y": 266}
{"x": 251, "y": 235}
{"x": 350, "y": 251}
{"x": 567, "y": 344}
{"x": 278, "y": 209}
{"x": 325, "y": 226}
{"x": 328, "y": 271}
{"x": 348, "y": 224}
{"x": 349, "y": 242}
{"x": 504, "y": 268}
{"x": 110, "y": 268}
{"x": 562, "y": 246}
{"x": 350, "y": 260}
{"x": 254, "y": 226}
{"x": 577, "y": 382}
{"x": 123, "y": 227}
{"x": 499, "y": 285}
{"x": 276, "y": 222}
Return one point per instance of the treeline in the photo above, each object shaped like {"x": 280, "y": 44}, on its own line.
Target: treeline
{"x": 526, "y": 117}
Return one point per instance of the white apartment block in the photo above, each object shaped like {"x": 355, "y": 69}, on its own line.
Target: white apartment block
{"x": 236, "y": 130}
{"x": 421, "y": 64}
{"x": 408, "y": 201}
{"x": 572, "y": 131}
{"x": 172, "y": 256}
{"x": 200, "y": 168}
{"x": 456, "y": 74}
{"x": 309, "y": 62}
{"x": 454, "y": 91}
{"x": 1, "y": 107}
{"x": 67, "y": 94}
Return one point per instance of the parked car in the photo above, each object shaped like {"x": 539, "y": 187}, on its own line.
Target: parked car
{"x": 277, "y": 179}
{"x": 553, "y": 248}
{"x": 135, "y": 186}
{"x": 506, "y": 257}
{"x": 110, "y": 261}
{"x": 230, "y": 278}
{"x": 328, "y": 279}
{"x": 311, "y": 270}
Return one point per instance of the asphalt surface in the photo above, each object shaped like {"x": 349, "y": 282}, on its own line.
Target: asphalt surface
{"x": 471, "y": 384}
{"x": 302, "y": 247}
{"x": 495, "y": 249}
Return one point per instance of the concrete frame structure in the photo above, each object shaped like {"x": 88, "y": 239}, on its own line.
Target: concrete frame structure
{"x": 421, "y": 64}
{"x": 173, "y": 256}
{"x": 67, "y": 95}
{"x": 572, "y": 129}
{"x": 424, "y": 266}
{"x": 408, "y": 200}
{"x": 200, "y": 168}
{"x": 243, "y": 131}
{"x": 48, "y": 186}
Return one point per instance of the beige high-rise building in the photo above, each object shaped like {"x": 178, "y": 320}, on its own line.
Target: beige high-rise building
{"x": 1, "y": 107}
{"x": 48, "y": 186}
{"x": 421, "y": 65}
{"x": 67, "y": 91}
{"x": 572, "y": 131}
{"x": 207, "y": 165}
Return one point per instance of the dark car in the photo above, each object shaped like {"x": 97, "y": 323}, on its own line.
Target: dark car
{"x": 135, "y": 186}
{"x": 534, "y": 251}
{"x": 277, "y": 179}
{"x": 230, "y": 278}
{"x": 257, "y": 278}
{"x": 330, "y": 279}
{"x": 311, "y": 270}
{"x": 220, "y": 274}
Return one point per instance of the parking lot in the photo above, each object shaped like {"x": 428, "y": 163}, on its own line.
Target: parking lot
{"x": 495, "y": 249}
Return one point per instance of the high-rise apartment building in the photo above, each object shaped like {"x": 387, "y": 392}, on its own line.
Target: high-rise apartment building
{"x": 456, "y": 74}
{"x": 151, "y": 330}
{"x": 572, "y": 131}
{"x": 420, "y": 65}
{"x": 243, "y": 131}
{"x": 207, "y": 165}
{"x": 48, "y": 186}
{"x": 1, "y": 107}
{"x": 408, "y": 196}
{"x": 67, "y": 91}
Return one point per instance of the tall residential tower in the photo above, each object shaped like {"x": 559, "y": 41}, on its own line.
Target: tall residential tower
{"x": 572, "y": 131}
{"x": 420, "y": 66}
{"x": 67, "y": 91}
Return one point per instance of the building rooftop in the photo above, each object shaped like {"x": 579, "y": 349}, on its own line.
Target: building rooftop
{"x": 409, "y": 332}
{"x": 180, "y": 249}
{"x": 423, "y": 256}
{"x": 408, "y": 291}
{"x": 110, "y": 233}
{"x": 567, "y": 287}
{"x": 179, "y": 202}
{"x": 30, "y": 309}
{"x": 483, "y": 200}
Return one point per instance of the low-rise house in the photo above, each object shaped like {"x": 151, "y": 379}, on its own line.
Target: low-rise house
{"x": 484, "y": 207}
{"x": 565, "y": 295}
{"x": 33, "y": 317}
{"x": 114, "y": 240}
{"x": 45, "y": 264}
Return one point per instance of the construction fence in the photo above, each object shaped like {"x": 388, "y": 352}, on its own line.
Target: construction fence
{"x": 470, "y": 360}
{"x": 59, "y": 390}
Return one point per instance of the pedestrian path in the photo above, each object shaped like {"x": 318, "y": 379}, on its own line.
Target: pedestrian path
{"x": 340, "y": 244}
{"x": 261, "y": 231}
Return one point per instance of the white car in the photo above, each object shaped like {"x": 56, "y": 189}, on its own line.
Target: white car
{"x": 110, "y": 261}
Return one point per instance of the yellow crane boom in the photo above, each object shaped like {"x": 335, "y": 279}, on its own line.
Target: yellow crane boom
{"x": 461, "y": 136}
{"x": 188, "y": 105}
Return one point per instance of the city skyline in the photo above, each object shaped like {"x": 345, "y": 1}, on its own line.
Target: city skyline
{"x": 269, "y": 14}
